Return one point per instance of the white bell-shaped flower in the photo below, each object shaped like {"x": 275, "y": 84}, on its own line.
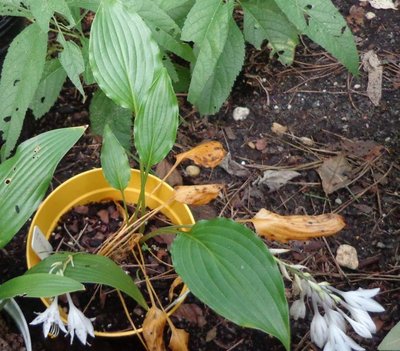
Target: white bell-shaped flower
{"x": 362, "y": 299}
{"x": 318, "y": 329}
{"x": 339, "y": 341}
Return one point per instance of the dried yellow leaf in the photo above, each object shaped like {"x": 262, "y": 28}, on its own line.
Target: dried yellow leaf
{"x": 179, "y": 339}
{"x": 197, "y": 194}
{"x": 285, "y": 228}
{"x": 208, "y": 154}
{"x": 153, "y": 329}
{"x": 177, "y": 281}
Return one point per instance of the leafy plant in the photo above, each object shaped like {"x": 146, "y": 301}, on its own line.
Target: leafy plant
{"x": 204, "y": 35}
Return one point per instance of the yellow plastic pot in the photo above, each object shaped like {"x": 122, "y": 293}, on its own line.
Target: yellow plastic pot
{"x": 90, "y": 187}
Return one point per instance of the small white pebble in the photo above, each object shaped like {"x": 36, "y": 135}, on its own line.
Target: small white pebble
{"x": 243, "y": 163}
{"x": 289, "y": 106}
{"x": 357, "y": 86}
{"x": 324, "y": 90}
{"x": 276, "y": 107}
{"x": 338, "y": 201}
{"x": 346, "y": 256}
{"x": 240, "y": 113}
{"x": 263, "y": 80}
{"x": 370, "y": 15}
{"x": 192, "y": 171}
{"x": 344, "y": 118}
{"x": 335, "y": 83}
{"x": 388, "y": 139}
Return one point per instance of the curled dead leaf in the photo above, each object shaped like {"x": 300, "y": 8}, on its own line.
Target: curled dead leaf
{"x": 197, "y": 194}
{"x": 177, "y": 281}
{"x": 153, "y": 329}
{"x": 284, "y": 228}
{"x": 208, "y": 154}
{"x": 179, "y": 339}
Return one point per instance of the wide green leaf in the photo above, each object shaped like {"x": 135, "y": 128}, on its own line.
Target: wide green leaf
{"x": 40, "y": 284}
{"x": 95, "y": 269}
{"x": 177, "y": 9}
{"x": 211, "y": 39}
{"x": 392, "y": 340}
{"x": 87, "y": 74}
{"x": 43, "y": 10}
{"x": 91, "y": 5}
{"x": 230, "y": 269}
{"x": 219, "y": 85}
{"x": 157, "y": 121}
{"x": 264, "y": 20}
{"x": 123, "y": 54}
{"x": 114, "y": 161}
{"x": 20, "y": 78}
{"x": 15, "y": 8}
{"x": 25, "y": 177}
{"x": 104, "y": 111}
{"x": 71, "y": 59}
{"x": 15, "y": 312}
{"x": 49, "y": 88}
{"x": 322, "y": 22}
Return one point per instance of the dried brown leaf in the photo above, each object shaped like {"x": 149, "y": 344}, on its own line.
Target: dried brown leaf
{"x": 373, "y": 66}
{"x": 284, "y": 228}
{"x": 208, "y": 154}
{"x": 179, "y": 339}
{"x": 191, "y": 313}
{"x": 197, "y": 194}
{"x": 275, "y": 179}
{"x": 153, "y": 329}
{"x": 162, "y": 170}
{"x": 334, "y": 173}
{"x": 234, "y": 168}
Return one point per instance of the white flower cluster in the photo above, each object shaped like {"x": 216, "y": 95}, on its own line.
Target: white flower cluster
{"x": 328, "y": 329}
{"x": 77, "y": 322}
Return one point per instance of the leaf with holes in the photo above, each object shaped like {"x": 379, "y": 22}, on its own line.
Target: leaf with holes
{"x": 123, "y": 54}
{"x": 322, "y": 22}
{"x": 15, "y": 8}
{"x": 19, "y": 80}
{"x": 157, "y": 121}
{"x": 49, "y": 88}
{"x": 230, "y": 269}
{"x": 25, "y": 177}
{"x": 264, "y": 20}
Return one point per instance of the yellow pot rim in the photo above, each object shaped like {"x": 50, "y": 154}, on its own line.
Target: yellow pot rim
{"x": 91, "y": 186}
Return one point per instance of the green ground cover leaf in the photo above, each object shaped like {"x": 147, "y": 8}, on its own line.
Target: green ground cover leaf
{"x": 219, "y": 85}
{"x": 157, "y": 121}
{"x": 95, "y": 269}
{"x": 20, "y": 78}
{"x": 322, "y": 23}
{"x": 49, "y": 88}
{"x": 71, "y": 59}
{"x": 15, "y": 8}
{"x": 231, "y": 270}
{"x": 103, "y": 111}
{"x": 263, "y": 20}
{"x": 38, "y": 285}
{"x": 25, "y": 177}
{"x": 392, "y": 340}
{"x": 123, "y": 54}
{"x": 114, "y": 161}
{"x": 43, "y": 10}
{"x": 177, "y": 9}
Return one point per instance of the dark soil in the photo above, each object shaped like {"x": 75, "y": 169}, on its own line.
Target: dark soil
{"x": 315, "y": 98}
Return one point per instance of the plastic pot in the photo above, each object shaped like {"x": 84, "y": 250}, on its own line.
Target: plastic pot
{"x": 90, "y": 187}
{"x": 9, "y": 28}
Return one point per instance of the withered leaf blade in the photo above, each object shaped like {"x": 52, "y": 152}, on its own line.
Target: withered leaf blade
{"x": 284, "y": 228}
{"x": 179, "y": 339}
{"x": 207, "y": 155}
{"x": 275, "y": 179}
{"x": 177, "y": 281}
{"x": 233, "y": 168}
{"x": 197, "y": 194}
{"x": 153, "y": 329}
{"x": 334, "y": 173}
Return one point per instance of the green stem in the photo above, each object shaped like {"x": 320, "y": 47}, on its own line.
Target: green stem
{"x": 174, "y": 229}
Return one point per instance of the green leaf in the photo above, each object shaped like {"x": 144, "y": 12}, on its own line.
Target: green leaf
{"x": 95, "y": 269}
{"x": 43, "y": 10}
{"x": 49, "y": 88}
{"x": 230, "y": 269}
{"x": 22, "y": 71}
{"x": 25, "y": 177}
{"x": 91, "y": 5}
{"x": 39, "y": 285}
{"x": 264, "y": 20}
{"x": 157, "y": 121}
{"x": 15, "y": 8}
{"x": 211, "y": 36}
{"x": 392, "y": 340}
{"x": 322, "y": 22}
{"x": 216, "y": 89}
{"x": 114, "y": 161}
{"x": 88, "y": 74}
{"x": 123, "y": 55}
{"x": 163, "y": 27}
{"x": 71, "y": 59}
{"x": 104, "y": 111}
{"x": 177, "y": 9}
{"x": 14, "y": 311}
